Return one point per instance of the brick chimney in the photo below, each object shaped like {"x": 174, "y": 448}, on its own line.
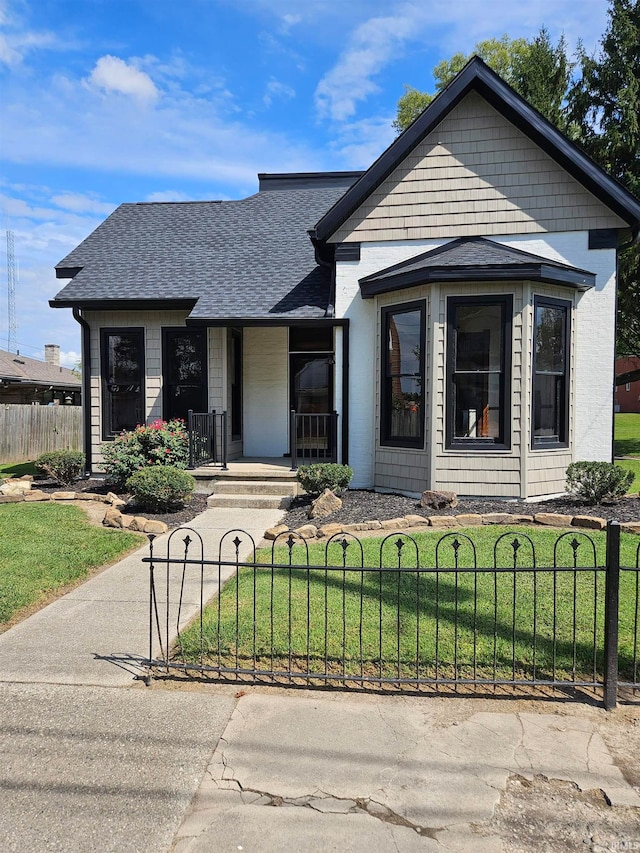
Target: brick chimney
{"x": 52, "y": 354}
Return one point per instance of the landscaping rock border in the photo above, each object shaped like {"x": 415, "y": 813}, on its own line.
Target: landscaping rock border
{"x": 112, "y": 518}
{"x": 404, "y": 523}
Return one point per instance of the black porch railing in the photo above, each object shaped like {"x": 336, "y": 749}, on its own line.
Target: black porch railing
{"x": 405, "y": 620}
{"x": 207, "y": 438}
{"x": 313, "y": 438}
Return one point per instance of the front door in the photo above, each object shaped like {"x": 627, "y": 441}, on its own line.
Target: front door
{"x": 312, "y": 395}
{"x": 184, "y": 372}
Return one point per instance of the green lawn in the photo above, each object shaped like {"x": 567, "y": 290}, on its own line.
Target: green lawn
{"x": 17, "y": 469}
{"x": 421, "y": 625}
{"x": 627, "y": 435}
{"x": 46, "y": 547}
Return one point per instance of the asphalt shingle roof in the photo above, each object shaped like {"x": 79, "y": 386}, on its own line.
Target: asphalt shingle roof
{"x": 239, "y": 259}
{"x": 474, "y": 258}
{"x": 30, "y": 371}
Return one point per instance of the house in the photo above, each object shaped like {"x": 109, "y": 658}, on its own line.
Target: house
{"x": 27, "y": 380}
{"x": 449, "y": 312}
{"x": 627, "y": 398}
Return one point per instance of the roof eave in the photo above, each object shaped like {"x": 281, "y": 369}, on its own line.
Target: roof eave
{"x": 124, "y": 304}
{"x": 547, "y": 273}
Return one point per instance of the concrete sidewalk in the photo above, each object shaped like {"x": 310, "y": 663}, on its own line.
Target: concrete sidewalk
{"x": 326, "y": 772}
{"x": 90, "y": 760}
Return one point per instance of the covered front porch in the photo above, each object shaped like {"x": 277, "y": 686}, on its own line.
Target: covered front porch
{"x": 261, "y": 392}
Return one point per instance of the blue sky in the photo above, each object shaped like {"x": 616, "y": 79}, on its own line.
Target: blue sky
{"x": 110, "y": 101}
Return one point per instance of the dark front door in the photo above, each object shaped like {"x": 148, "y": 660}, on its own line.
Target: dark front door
{"x": 312, "y": 395}
{"x": 184, "y": 372}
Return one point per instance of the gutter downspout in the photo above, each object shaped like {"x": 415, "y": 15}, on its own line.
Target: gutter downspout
{"x": 86, "y": 389}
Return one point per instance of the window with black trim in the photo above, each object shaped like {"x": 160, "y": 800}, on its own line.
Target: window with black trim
{"x": 478, "y": 371}
{"x": 550, "y": 415}
{"x": 122, "y": 355}
{"x": 402, "y": 403}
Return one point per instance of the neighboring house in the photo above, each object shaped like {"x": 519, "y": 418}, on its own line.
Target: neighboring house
{"x": 628, "y": 394}
{"x": 454, "y": 304}
{"x": 26, "y": 380}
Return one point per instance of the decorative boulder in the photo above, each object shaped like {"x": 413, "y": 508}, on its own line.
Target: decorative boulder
{"x": 434, "y": 499}
{"x": 15, "y": 487}
{"x": 324, "y": 505}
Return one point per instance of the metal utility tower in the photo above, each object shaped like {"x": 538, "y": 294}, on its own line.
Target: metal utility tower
{"x": 12, "y": 343}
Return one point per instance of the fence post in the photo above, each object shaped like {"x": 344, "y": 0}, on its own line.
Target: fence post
{"x": 152, "y": 598}
{"x": 224, "y": 441}
{"x": 611, "y": 607}
{"x": 190, "y": 430}
{"x": 293, "y": 440}
{"x": 213, "y": 437}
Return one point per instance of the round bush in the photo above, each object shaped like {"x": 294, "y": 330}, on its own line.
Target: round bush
{"x": 598, "y": 482}
{"x": 161, "y": 487}
{"x": 63, "y": 466}
{"x": 325, "y": 475}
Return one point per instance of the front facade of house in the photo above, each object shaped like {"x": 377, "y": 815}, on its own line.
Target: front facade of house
{"x": 454, "y": 306}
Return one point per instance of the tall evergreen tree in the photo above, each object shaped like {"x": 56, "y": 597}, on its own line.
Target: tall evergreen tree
{"x": 604, "y": 104}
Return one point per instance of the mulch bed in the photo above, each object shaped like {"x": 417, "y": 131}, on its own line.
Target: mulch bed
{"x": 196, "y": 505}
{"x": 360, "y": 505}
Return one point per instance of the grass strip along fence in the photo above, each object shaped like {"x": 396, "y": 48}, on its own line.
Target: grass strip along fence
{"x": 477, "y": 606}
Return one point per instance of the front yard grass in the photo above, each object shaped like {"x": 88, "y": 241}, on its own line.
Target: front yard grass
{"x": 627, "y": 434}
{"x": 410, "y": 625}
{"x": 45, "y": 548}
{"x": 17, "y": 469}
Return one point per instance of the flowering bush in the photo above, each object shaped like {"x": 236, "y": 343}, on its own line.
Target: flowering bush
{"x": 159, "y": 443}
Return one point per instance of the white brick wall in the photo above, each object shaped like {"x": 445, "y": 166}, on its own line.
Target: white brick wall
{"x": 266, "y": 391}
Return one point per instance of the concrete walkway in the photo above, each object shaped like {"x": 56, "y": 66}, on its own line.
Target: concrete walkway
{"x": 91, "y": 760}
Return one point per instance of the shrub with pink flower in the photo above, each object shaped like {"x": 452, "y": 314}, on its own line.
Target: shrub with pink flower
{"x": 158, "y": 443}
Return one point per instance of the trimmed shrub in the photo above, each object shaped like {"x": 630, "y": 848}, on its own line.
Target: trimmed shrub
{"x": 598, "y": 482}
{"x": 314, "y": 479}
{"x": 63, "y": 466}
{"x": 161, "y": 487}
{"x": 159, "y": 443}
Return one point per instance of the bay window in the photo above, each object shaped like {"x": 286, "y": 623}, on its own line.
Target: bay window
{"x": 478, "y": 371}
{"x": 402, "y": 403}
{"x": 550, "y": 415}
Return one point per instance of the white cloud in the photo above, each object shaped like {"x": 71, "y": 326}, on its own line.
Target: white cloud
{"x": 372, "y": 45}
{"x": 113, "y": 74}
{"x": 445, "y": 27}
{"x": 276, "y": 89}
{"x": 69, "y": 359}
{"x": 168, "y": 195}
{"x": 81, "y": 203}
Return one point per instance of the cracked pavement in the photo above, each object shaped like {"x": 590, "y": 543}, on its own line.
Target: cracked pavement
{"x": 329, "y": 772}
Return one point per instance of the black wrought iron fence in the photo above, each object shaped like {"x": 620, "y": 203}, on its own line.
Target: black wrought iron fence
{"x": 401, "y": 620}
{"x": 207, "y": 438}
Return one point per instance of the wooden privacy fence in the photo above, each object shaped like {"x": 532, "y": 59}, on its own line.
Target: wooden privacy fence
{"x": 28, "y": 431}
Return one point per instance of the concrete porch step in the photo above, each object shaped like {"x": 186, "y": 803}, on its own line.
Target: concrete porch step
{"x": 249, "y": 501}
{"x": 255, "y": 487}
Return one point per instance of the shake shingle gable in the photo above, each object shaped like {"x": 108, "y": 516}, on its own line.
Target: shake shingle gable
{"x": 249, "y": 259}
